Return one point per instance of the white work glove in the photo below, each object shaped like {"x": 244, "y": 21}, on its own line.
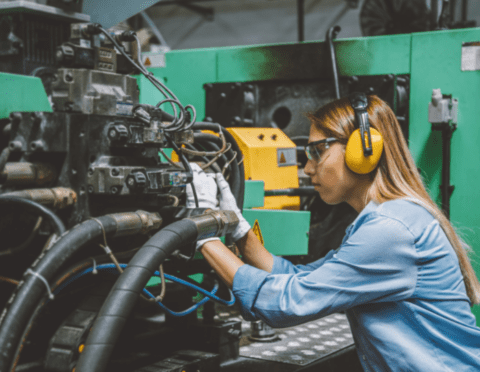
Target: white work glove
{"x": 228, "y": 203}
{"x": 206, "y": 189}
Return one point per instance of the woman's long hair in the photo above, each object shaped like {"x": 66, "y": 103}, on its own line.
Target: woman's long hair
{"x": 396, "y": 176}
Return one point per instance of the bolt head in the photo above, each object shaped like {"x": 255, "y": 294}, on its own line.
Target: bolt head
{"x": 114, "y": 190}
{"x": 131, "y": 181}
{"x": 115, "y": 172}
{"x": 112, "y": 133}
{"x": 90, "y": 189}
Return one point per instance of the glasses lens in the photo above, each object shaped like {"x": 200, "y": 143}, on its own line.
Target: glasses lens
{"x": 312, "y": 153}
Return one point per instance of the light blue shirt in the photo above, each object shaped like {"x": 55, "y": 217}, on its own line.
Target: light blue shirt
{"x": 397, "y": 278}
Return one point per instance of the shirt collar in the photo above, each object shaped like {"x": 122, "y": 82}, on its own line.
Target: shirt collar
{"x": 370, "y": 207}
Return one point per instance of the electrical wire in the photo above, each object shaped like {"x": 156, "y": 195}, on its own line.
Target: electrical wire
{"x": 26, "y": 243}
{"x": 187, "y": 166}
{"x": 209, "y": 295}
{"x": 9, "y": 280}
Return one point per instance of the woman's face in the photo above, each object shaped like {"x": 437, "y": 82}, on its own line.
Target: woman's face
{"x": 331, "y": 178}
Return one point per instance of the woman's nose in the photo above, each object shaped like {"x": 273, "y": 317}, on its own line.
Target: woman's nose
{"x": 309, "y": 168}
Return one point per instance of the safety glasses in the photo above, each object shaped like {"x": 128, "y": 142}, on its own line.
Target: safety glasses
{"x": 316, "y": 149}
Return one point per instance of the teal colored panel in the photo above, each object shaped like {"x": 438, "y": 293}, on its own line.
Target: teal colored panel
{"x": 374, "y": 55}
{"x": 149, "y": 95}
{"x": 184, "y": 74}
{"x": 285, "y": 233}
{"x": 436, "y": 63}
{"x": 254, "y": 194}
{"x": 360, "y": 56}
{"x": 22, "y": 93}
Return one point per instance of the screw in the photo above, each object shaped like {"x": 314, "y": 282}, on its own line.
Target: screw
{"x": 15, "y": 145}
{"x": 261, "y": 137}
{"x": 131, "y": 182}
{"x": 112, "y": 133}
{"x": 37, "y": 145}
{"x": 114, "y": 190}
{"x": 115, "y": 172}
{"x": 90, "y": 189}
{"x": 90, "y": 172}
{"x": 69, "y": 77}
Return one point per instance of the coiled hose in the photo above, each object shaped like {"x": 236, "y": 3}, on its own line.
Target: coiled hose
{"x": 122, "y": 298}
{"x": 25, "y": 298}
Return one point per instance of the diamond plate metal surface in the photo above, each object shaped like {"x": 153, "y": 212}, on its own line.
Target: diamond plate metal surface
{"x": 299, "y": 345}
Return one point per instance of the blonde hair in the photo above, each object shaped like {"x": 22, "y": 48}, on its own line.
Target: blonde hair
{"x": 396, "y": 175}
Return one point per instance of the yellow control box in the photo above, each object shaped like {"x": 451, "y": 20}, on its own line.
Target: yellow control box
{"x": 270, "y": 156}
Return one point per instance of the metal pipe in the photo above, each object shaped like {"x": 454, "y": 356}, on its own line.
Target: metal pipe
{"x": 301, "y": 20}
{"x": 27, "y": 174}
{"x": 57, "y": 197}
{"x": 300, "y": 191}
{"x": 332, "y": 34}
{"x": 446, "y": 188}
{"x": 464, "y": 10}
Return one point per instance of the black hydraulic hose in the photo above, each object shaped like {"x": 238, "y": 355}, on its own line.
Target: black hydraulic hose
{"x": 332, "y": 34}
{"x": 37, "y": 208}
{"x": 61, "y": 279}
{"x": 32, "y": 287}
{"x": 4, "y": 157}
{"x": 300, "y": 191}
{"x": 125, "y": 292}
{"x": 238, "y": 170}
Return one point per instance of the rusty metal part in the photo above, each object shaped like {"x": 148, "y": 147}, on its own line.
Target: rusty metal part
{"x": 27, "y": 174}
{"x": 136, "y": 222}
{"x": 215, "y": 223}
{"x": 57, "y": 197}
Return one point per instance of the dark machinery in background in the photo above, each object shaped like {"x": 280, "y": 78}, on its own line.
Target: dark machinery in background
{"x": 390, "y": 17}
{"x": 88, "y": 174}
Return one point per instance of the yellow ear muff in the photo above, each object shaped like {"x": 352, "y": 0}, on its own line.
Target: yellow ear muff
{"x": 354, "y": 157}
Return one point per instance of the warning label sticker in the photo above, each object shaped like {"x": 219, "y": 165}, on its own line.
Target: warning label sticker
{"x": 286, "y": 157}
{"x": 258, "y": 232}
{"x": 154, "y": 60}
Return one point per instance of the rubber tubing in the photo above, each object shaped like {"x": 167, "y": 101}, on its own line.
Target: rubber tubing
{"x": 126, "y": 290}
{"x": 24, "y": 300}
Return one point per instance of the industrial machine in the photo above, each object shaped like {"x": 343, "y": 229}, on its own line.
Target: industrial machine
{"x": 98, "y": 270}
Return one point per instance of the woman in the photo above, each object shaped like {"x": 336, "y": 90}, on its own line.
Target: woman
{"x": 401, "y": 273}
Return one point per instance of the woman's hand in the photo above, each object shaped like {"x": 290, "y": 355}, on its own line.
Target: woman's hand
{"x": 206, "y": 189}
{"x": 228, "y": 203}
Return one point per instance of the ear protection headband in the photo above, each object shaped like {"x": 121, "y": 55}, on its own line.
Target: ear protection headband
{"x": 365, "y": 145}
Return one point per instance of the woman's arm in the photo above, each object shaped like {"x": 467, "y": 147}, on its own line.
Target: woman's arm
{"x": 226, "y": 263}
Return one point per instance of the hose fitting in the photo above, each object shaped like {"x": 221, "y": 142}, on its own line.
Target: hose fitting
{"x": 57, "y": 197}
{"x": 215, "y": 223}
{"x": 136, "y": 222}
{"x": 25, "y": 174}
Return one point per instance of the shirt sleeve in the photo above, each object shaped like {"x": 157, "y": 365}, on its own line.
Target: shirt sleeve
{"x": 376, "y": 263}
{"x": 283, "y": 266}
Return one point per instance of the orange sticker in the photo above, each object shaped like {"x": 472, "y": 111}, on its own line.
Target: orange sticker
{"x": 258, "y": 232}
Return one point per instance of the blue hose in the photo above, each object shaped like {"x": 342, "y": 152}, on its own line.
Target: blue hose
{"x": 113, "y": 270}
